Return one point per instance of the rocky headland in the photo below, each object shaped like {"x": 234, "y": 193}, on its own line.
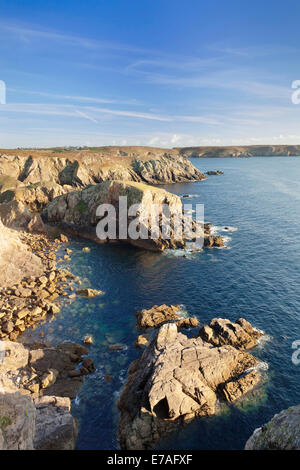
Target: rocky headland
{"x": 178, "y": 378}
{"x": 76, "y": 213}
{"x": 89, "y": 166}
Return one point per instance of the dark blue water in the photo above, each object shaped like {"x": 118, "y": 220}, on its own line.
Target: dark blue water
{"x": 256, "y": 277}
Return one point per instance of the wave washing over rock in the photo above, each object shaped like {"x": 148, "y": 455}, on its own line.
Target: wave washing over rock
{"x": 178, "y": 378}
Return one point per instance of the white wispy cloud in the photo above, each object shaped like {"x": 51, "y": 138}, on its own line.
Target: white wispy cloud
{"x": 91, "y": 112}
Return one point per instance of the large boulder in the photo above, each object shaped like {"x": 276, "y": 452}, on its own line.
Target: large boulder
{"x": 239, "y": 334}
{"x": 155, "y": 316}
{"x": 281, "y": 433}
{"x": 178, "y": 378}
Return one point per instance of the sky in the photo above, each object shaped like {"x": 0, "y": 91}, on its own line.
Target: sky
{"x": 163, "y": 73}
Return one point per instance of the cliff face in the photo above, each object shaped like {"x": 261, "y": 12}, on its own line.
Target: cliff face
{"x": 29, "y": 421}
{"x": 85, "y": 167}
{"x": 241, "y": 151}
{"x": 76, "y": 211}
{"x": 281, "y": 433}
{"x": 16, "y": 260}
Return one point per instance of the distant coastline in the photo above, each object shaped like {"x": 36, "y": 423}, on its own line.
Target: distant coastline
{"x": 147, "y": 152}
{"x": 240, "y": 151}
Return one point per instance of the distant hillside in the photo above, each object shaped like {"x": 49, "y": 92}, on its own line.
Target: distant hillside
{"x": 241, "y": 151}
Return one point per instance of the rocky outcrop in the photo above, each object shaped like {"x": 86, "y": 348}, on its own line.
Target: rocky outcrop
{"x": 214, "y": 172}
{"x": 157, "y": 315}
{"x": 16, "y": 259}
{"x": 178, "y": 378}
{"x": 77, "y": 212}
{"x": 34, "y": 196}
{"x": 32, "y": 414}
{"x": 281, "y": 433}
{"x": 222, "y": 331}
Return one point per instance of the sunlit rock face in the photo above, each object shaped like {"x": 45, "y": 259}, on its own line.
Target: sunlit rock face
{"x": 77, "y": 211}
{"x": 178, "y": 378}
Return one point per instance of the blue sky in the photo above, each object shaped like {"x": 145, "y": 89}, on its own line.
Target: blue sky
{"x": 149, "y": 72}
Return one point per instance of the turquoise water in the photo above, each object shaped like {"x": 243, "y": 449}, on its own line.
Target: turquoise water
{"x": 256, "y": 276}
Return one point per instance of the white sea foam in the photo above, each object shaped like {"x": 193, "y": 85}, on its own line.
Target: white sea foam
{"x": 214, "y": 229}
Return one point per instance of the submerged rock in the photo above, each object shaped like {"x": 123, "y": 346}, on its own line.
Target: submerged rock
{"x": 178, "y": 378}
{"x": 281, "y": 433}
{"x": 89, "y": 292}
{"x": 214, "y": 172}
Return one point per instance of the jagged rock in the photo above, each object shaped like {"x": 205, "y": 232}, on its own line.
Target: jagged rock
{"x": 49, "y": 378}
{"x": 159, "y": 314}
{"x": 142, "y": 341}
{"x": 156, "y": 316}
{"x": 36, "y": 225}
{"x": 211, "y": 241}
{"x": 35, "y": 197}
{"x": 13, "y": 356}
{"x": 281, "y": 433}
{"x": 240, "y": 334}
{"x": 17, "y": 418}
{"x": 88, "y": 339}
{"x": 178, "y": 378}
{"x": 214, "y": 172}
{"x": 16, "y": 260}
{"x": 56, "y": 429}
{"x": 89, "y": 292}
{"x": 85, "y": 167}
{"x": 77, "y": 213}
{"x": 15, "y": 214}
{"x": 191, "y": 322}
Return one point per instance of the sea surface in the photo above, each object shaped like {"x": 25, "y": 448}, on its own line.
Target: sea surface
{"x": 255, "y": 276}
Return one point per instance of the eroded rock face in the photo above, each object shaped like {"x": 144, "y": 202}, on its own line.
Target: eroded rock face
{"x": 36, "y": 386}
{"x": 17, "y": 418}
{"x": 76, "y": 212}
{"x": 177, "y": 378}
{"x": 111, "y": 163}
{"x": 240, "y": 334}
{"x": 281, "y": 433}
{"x": 36, "y": 196}
{"x": 155, "y": 316}
{"x": 16, "y": 260}
{"x": 55, "y": 428}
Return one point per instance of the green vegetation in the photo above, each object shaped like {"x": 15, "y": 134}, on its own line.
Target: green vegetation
{"x": 4, "y": 422}
{"x": 81, "y": 207}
